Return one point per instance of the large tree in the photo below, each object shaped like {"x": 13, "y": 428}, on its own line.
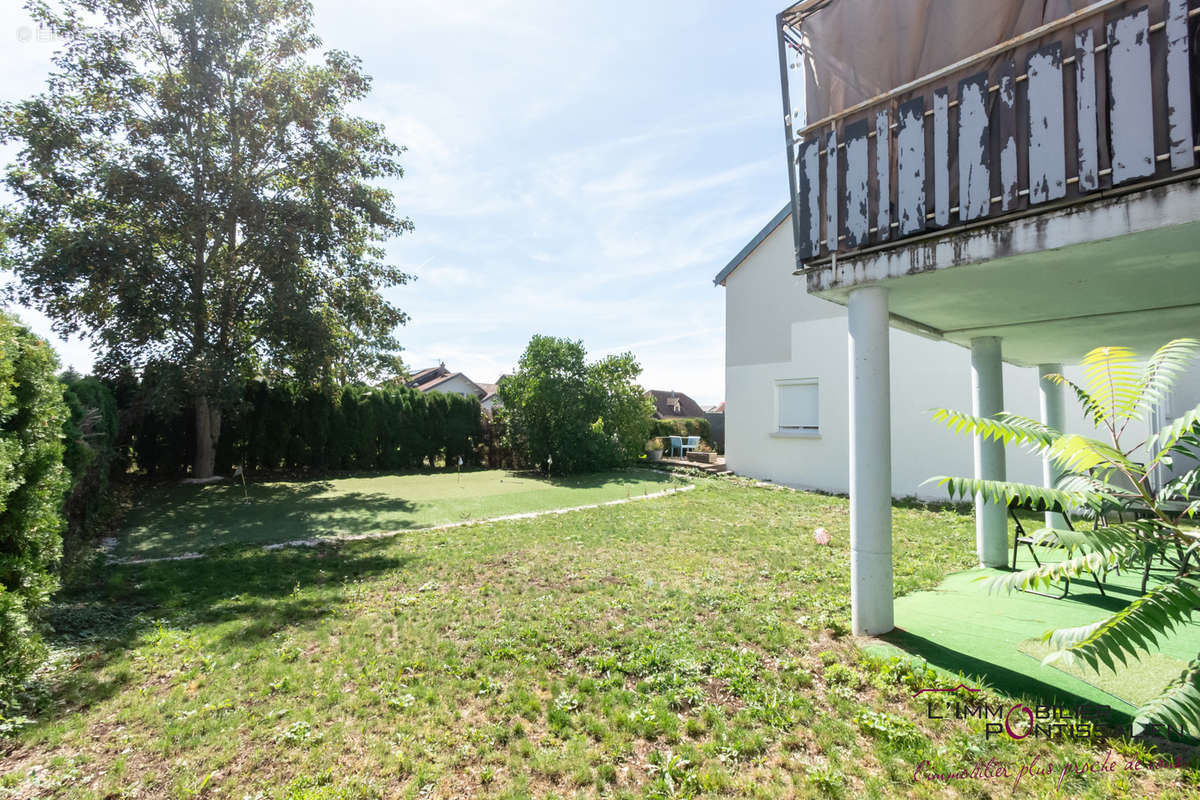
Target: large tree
{"x": 583, "y": 416}
{"x": 191, "y": 188}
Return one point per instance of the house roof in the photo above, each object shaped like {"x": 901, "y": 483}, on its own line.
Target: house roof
{"x": 753, "y": 244}
{"x": 426, "y": 375}
{"x": 432, "y": 385}
{"x": 666, "y": 410}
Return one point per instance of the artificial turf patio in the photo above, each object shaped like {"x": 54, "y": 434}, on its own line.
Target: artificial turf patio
{"x": 995, "y": 636}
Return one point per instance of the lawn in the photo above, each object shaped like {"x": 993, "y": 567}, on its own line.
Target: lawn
{"x": 693, "y": 645}
{"x": 171, "y": 520}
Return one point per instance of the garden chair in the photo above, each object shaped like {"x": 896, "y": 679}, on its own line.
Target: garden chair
{"x": 1021, "y": 537}
{"x": 691, "y": 444}
{"x": 676, "y": 444}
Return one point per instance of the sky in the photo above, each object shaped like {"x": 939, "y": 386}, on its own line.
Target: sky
{"x": 573, "y": 169}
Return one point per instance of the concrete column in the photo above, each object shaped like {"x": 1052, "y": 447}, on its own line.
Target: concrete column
{"x": 1053, "y": 416}
{"x": 870, "y": 463}
{"x": 987, "y": 399}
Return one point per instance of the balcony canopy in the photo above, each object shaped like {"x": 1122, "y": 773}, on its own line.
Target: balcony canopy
{"x": 850, "y": 51}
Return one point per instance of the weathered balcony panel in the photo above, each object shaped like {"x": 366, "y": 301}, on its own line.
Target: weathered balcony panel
{"x": 1102, "y": 98}
{"x": 883, "y": 174}
{"x": 1087, "y": 153}
{"x": 1047, "y": 154}
{"x": 974, "y": 176}
{"x": 910, "y": 157}
{"x": 1179, "y": 86}
{"x": 857, "y": 181}
{"x": 1130, "y": 113}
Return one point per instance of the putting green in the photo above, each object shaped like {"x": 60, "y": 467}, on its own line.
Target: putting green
{"x": 960, "y": 627}
{"x": 171, "y": 520}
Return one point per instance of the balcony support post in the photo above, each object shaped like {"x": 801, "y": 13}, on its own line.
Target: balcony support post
{"x": 1051, "y": 395}
{"x": 870, "y": 463}
{"x": 987, "y": 399}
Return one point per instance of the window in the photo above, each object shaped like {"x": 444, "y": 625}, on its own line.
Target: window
{"x": 798, "y": 406}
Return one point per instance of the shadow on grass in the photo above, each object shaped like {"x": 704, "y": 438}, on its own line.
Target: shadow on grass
{"x": 110, "y": 607}
{"x": 1009, "y": 682}
{"x": 182, "y": 518}
{"x": 172, "y": 520}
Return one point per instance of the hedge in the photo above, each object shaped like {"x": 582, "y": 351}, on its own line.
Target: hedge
{"x": 33, "y": 481}
{"x": 684, "y": 426}
{"x": 277, "y": 426}
{"x": 91, "y": 456}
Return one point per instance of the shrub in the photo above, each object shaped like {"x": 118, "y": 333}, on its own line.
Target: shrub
{"x": 32, "y": 484}
{"x": 585, "y": 417}
{"x": 1102, "y": 479}
{"x": 684, "y": 426}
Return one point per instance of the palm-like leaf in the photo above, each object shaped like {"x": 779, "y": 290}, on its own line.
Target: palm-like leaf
{"x": 1047, "y": 575}
{"x": 1007, "y": 491}
{"x": 1162, "y": 370}
{"x": 1114, "y": 378}
{"x": 1165, "y": 440}
{"x": 1179, "y": 705}
{"x": 1102, "y": 478}
{"x": 1077, "y": 453}
{"x": 1135, "y": 629}
{"x": 1111, "y": 541}
{"x": 1007, "y": 428}
{"x": 1093, "y": 410}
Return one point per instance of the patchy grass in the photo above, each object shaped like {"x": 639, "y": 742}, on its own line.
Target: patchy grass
{"x": 174, "y": 519}
{"x": 683, "y": 647}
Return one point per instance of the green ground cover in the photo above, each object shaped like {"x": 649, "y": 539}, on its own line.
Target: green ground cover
{"x": 961, "y": 626}
{"x": 169, "y": 520}
{"x": 689, "y": 646}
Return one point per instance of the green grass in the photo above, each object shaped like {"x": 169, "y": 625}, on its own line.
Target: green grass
{"x": 170, "y": 520}
{"x": 681, "y": 647}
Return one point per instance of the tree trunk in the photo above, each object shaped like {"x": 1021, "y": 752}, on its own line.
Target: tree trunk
{"x": 208, "y": 431}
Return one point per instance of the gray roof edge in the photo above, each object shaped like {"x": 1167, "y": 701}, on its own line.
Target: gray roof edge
{"x": 758, "y": 239}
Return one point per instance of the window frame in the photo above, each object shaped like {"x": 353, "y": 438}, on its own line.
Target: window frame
{"x": 802, "y": 431}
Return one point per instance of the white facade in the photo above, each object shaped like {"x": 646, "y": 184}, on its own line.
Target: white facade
{"x": 778, "y": 336}
{"x": 458, "y": 384}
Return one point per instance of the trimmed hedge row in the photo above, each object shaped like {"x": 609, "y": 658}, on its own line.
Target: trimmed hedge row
{"x": 278, "y": 426}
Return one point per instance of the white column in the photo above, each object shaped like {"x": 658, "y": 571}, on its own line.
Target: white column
{"x": 1051, "y": 394}
{"x": 870, "y": 463}
{"x": 987, "y": 399}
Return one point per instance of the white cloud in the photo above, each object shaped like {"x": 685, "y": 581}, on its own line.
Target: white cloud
{"x": 580, "y": 170}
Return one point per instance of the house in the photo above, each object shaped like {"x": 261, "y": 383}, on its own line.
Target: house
{"x": 787, "y": 384}
{"x": 674, "y": 405}
{"x": 441, "y": 379}
{"x": 969, "y": 208}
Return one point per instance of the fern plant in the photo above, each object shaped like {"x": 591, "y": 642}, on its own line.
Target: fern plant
{"x": 1133, "y": 523}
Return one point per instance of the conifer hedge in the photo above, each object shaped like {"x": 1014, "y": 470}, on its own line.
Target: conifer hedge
{"x": 281, "y": 427}
{"x": 33, "y": 482}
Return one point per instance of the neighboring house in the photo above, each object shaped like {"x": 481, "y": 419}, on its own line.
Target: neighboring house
{"x": 787, "y": 390}
{"x": 674, "y": 405}
{"x": 986, "y": 203}
{"x": 441, "y": 379}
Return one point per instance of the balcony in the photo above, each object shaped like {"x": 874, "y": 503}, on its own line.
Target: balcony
{"x": 1095, "y": 104}
{"x": 1040, "y": 187}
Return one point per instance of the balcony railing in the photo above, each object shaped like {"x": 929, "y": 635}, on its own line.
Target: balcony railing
{"x": 1099, "y": 99}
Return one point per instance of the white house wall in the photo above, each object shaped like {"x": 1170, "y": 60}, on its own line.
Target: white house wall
{"x": 457, "y": 385}
{"x": 776, "y": 331}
